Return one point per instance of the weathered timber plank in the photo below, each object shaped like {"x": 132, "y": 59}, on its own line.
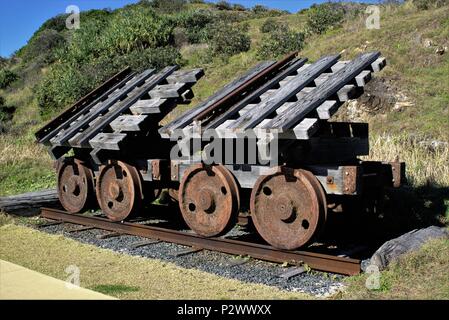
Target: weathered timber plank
{"x": 305, "y": 77}
{"x": 322, "y": 92}
{"x": 246, "y": 109}
{"x": 185, "y": 76}
{"x": 327, "y": 109}
{"x": 129, "y": 122}
{"x": 303, "y": 131}
{"x": 339, "y": 65}
{"x": 122, "y": 106}
{"x": 102, "y": 107}
{"x": 267, "y": 94}
{"x": 288, "y": 79}
{"x": 148, "y": 106}
{"x": 321, "y": 78}
{"x": 295, "y": 66}
{"x": 363, "y": 78}
{"x": 349, "y": 91}
{"x": 108, "y": 141}
{"x": 379, "y": 64}
{"x": 29, "y": 203}
{"x": 188, "y": 116}
{"x": 284, "y": 107}
{"x": 166, "y": 91}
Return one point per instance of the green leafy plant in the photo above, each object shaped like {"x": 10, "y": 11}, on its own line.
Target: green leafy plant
{"x": 6, "y": 78}
{"x": 321, "y": 18}
{"x": 428, "y": 4}
{"x": 270, "y": 25}
{"x": 195, "y": 24}
{"x": 223, "y": 5}
{"x": 280, "y": 41}
{"x": 227, "y": 39}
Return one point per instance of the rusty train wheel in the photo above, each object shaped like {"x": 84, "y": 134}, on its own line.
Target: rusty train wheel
{"x": 119, "y": 190}
{"x": 288, "y": 208}
{"x": 209, "y": 199}
{"x": 75, "y": 185}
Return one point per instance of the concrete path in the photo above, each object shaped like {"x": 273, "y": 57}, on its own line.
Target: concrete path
{"x": 17, "y": 282}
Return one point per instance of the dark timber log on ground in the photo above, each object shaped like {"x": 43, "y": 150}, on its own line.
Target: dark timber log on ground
{"x": 28, "y": 204}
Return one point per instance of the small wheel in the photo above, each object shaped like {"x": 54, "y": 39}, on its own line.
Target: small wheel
{"x": 75, "y": 185}
{"x": 209, "y": 199}
{"x": 119, "y": 190}
{"x": 288, "y": 208}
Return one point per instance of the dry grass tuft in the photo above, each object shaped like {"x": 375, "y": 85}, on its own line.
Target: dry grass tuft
{"x": 425, "y": 164}
{"x": 15, "y": 150}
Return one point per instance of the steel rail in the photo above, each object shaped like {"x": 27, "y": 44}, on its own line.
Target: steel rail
{"x": 317, "y": 261}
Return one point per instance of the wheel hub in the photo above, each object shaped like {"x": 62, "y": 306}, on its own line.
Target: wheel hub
{"x": 119, "y": 190}
{"x": 209, "y": 199}
{"x": 75, "y": 185}
{"x": 287, "y": 208}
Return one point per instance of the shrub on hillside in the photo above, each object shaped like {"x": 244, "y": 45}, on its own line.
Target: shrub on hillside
{"x": 6, "y": 78}
{"x": 167, "y": 6}
{"x": 223, "y": 5}
{"x": 322, "y": 17}
{"x": 6, "y": 115}
{"x": 195, "y": 23}
{"x": 279, "y": 42}
{"x": 43, "y": 46}
{"x": 270, "y": 25}
{"x": 260, "y": 9}
{"x": 238, "y": 7}
{"x": 3, "y": 62}
{"x": 227, "y": 39}
{"x": 428, "y": 4}
{"x": 65, "y": 83}
{"x": 137, "y": 29}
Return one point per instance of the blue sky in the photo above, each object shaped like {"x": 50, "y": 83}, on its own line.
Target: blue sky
{"x": 19, "y": 19}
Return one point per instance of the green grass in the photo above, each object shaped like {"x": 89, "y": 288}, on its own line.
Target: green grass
{"x": 412, "y": 68}
{"x": 24, "y": 165}
{"x": 423, "y": 274}
{"x": 113, "y": 289}
{"x": 120, "y": 275}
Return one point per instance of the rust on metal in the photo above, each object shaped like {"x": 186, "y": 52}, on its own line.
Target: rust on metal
{"x": 318, "y": 261}
{"x": 174, "y": 170}
{"x": 119, "y": 190}
{"x": 351, "y": 176}
{"x": 245, "y": 86}
{"x": 209, "y": 199}
{"x": 156, "y": 169}
{"x": 288, "y": 208}
{"x": 398, "y": 173}
{"x": 75, "y": 185}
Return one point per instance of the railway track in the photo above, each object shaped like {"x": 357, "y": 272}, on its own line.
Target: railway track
{"x": 316, "y": 261}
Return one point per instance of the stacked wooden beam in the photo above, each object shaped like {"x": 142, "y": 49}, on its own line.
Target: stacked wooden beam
{"x": 291, "y": 104}
{"x": 127, "y": 106}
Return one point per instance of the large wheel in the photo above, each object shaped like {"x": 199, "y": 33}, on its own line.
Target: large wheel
{"x": 209, "y": 199}
{"x": 288, "y": 208}
{"x": 119, "y": 190}
{"x": 75, "y": 185}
